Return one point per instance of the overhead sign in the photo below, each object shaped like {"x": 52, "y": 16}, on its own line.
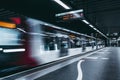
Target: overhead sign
{"x": 77, "y": 14}
{"x": 7, "y": 25}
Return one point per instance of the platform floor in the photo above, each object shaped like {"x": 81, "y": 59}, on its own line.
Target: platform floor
{"x": 103, "y": 65}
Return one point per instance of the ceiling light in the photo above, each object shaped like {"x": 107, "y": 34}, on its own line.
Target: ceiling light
{"x": 76, "y": 11}
{"x": 85, "y": 21}
{"x": 95, "y": 29}
{"x": 62, "y": 4}
{"x": 91, "y": 26}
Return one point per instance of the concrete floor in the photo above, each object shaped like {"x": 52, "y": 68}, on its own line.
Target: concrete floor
{"x": 103, "y": 65}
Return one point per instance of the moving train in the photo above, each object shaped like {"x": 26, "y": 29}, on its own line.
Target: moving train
{"x": 30, "y": 42}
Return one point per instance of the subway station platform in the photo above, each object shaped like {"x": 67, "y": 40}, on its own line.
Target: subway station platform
{"x": 60, "y": 40}
{"x": 102, "y": 64}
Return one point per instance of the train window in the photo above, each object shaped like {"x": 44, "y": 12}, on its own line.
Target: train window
{"x": 10, "y": 37}
{"x": 49, "y": 43}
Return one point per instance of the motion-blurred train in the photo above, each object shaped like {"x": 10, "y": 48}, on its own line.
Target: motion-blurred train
{"x": 34, "y": 42}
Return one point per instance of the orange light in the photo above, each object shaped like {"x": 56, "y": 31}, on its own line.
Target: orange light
{"x": 66, "y": 17}
{"x": 7, "y": 25}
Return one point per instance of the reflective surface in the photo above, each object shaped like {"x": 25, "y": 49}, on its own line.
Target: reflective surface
{"x": 103, "y": 65}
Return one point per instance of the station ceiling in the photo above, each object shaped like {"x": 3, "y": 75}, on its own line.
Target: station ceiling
{"x": 103, "y": 14}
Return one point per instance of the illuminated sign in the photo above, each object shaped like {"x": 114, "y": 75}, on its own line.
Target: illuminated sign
{"x": 77, "y": 14}
{"x": 7, "y": 25}
{"x": 71, "y": 16}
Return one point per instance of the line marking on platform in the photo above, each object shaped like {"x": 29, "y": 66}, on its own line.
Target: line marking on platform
{"x": 80, "y": 73}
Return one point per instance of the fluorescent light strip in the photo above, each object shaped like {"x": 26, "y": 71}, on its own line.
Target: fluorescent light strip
{"x": 70, "y": 12}
{"x": 98, "y": 31}
{"x": 101, "y": 33}
{"x": 95, "y": 29}
{"x": 62, "y": 4}
{"x": 13, "y": 50}
{"x": 85, "y": 21}
{"x": 91, "y": 26}
{"x": 76, "y": 11}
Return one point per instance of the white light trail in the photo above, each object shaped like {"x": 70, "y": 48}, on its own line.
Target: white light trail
{"x": 22, "y": 30}
{"x": 13, "y": 50}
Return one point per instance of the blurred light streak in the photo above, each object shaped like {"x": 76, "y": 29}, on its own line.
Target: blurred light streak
{"x": 22, "y": 30}
{"x": 13, "y": 50}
